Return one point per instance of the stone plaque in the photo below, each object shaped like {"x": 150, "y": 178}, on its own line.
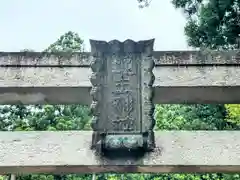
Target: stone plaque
{"x": 122, "y": 93}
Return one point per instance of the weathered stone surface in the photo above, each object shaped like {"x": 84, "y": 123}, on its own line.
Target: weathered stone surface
{"x": 173, "y": 84}
{"x": 52, "y": 85}
{"x": 69, "y": 152}
{"x": 196, "y": 57}
{"x": 44, "y": 59}
{"x": 44, "y": 77}
{"x": 183, "y": 76}
{"x": 122, "y": 82}
{"x": 83, "y": 59}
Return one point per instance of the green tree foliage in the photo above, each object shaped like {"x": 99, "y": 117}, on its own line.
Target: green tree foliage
{"x": 191, "y": 117}
{"x": 211, "y": 24}
{"x": 68, "y": 42}
{"x": 233, "y": 114}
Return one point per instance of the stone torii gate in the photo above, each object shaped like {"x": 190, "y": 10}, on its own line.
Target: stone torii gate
{"x": 121, "y": 91}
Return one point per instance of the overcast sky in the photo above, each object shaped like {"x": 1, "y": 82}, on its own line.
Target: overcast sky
{"x": 36, "y": 24}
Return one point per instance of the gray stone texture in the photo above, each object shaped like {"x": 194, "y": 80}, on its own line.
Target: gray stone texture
{"x": 122, "y": 82}
{"x": 84, "y": 59}
{"x": 69, "y": 152}
{"x": 179, "y": 79}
